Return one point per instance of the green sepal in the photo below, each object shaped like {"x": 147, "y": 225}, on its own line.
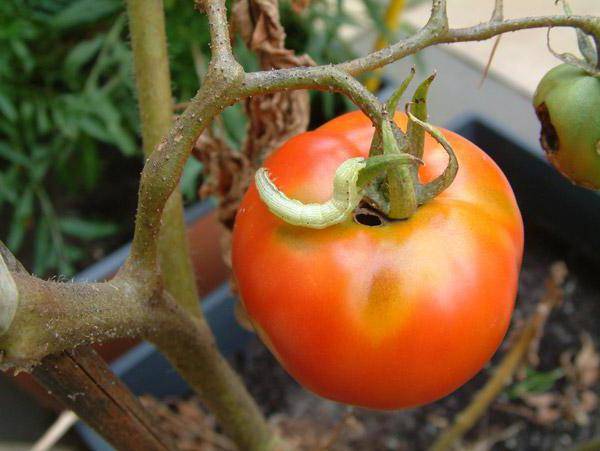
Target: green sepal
{"x": 418, "y": 108}
{"x": 376, "y": 165}
{"x": 392, "y": 103}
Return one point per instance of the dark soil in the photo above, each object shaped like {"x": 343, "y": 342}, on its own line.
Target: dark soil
{"x": 510, "y": 424}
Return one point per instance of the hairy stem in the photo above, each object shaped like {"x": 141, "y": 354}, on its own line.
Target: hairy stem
{"x": 189, "y": 345}
{"x": 153, "y": 81}
{"x": 55, "y": 316}
{"x": 433, "y": 34}
{"x": 324, "y": 78}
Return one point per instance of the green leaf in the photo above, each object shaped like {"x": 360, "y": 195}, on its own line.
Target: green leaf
{"x": 189, "y": 179}
{"x": 65, "y": 124}
{"x": 24, "y": 55}
{"x": 234, "y": 121}
{"x": 7, "y": 108}
{"x": 87, "y": 229}
{"x": 535, "y": 382}
{"x": 13, "y": 156}
{"x": 90, "y": 166}
{"x": 122, "y": 139}
{"x": 20, "y": 221}
{"x": 80, "y": 55}
{"x": 42, "y": 248}
{"x": 27, "y": 110}
{"x": 7, "y": 191}
{"x": 93, "y": 127}
{"x": 82, "y": 12}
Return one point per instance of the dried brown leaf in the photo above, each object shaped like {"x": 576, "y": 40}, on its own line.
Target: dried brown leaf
{"x": 273, "y": 118}
{"x": 582, "y": 371}
{"x": 191, "y": 427}
{"x": 493, "y": 437}
{"x": 228, "y": 174}
{"x": 546, "y": 407}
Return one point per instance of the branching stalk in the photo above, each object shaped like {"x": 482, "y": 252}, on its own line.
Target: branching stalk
{"x": 189, "y": 344}
{"x": 153, "y": 81}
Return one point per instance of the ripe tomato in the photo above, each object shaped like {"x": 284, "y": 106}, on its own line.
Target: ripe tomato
{"x": 567, "y": 102}
{"x": 381, "y": 317}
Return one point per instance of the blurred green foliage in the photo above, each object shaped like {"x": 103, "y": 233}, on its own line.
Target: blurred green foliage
{"x": 535, "y": 382}
{"x": 67, "y": 108}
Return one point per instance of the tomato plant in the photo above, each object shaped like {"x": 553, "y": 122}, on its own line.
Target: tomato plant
{"x": 386, "y": 316}
{"x": 567, "y": 102}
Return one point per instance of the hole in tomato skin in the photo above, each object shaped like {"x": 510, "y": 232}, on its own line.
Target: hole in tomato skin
{"x": 368, "y": 216}
{"x": 368, "y": 219}
{"x": 548, "y": 136}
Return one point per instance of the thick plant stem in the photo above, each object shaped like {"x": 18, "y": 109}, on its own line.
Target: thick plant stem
{"x": 153, "y": 81}
{"x": 190, "y": 345}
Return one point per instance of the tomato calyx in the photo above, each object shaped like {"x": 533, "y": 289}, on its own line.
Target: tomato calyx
{"x": 383, "y": 187}
{"x": 351, "y": 177}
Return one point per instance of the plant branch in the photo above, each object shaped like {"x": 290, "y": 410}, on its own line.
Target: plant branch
{"x": 220, "y": 42}
{"x": 432, "y": 34}
{"x": 438, "y": 20}
{"x": 188, "y": 344}
{"x": 391, "y": 19}
{"x": 153, "y": 82}
{"x": 54, "y": 316}
{"x": 323, "y": 78}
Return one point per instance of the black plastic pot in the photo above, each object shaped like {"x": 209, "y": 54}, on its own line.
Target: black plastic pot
{"x": 545, "y": 199}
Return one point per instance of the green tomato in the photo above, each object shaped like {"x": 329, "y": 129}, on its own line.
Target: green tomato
{"x": 567, "y": 103}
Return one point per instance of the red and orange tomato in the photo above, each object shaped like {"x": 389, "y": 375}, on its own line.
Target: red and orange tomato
{"x": 381, "y": 317}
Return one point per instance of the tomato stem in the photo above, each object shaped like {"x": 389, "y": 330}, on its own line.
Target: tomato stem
{"x": 400, "y": 182}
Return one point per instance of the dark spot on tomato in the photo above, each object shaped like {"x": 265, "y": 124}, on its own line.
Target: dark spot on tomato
{"x": 368, "y": 219}
{"x": 367, "y": 215}
{"x": 548, "y": 136}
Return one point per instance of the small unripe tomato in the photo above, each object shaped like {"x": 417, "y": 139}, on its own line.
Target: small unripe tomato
{"x": 567, "y": 103}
